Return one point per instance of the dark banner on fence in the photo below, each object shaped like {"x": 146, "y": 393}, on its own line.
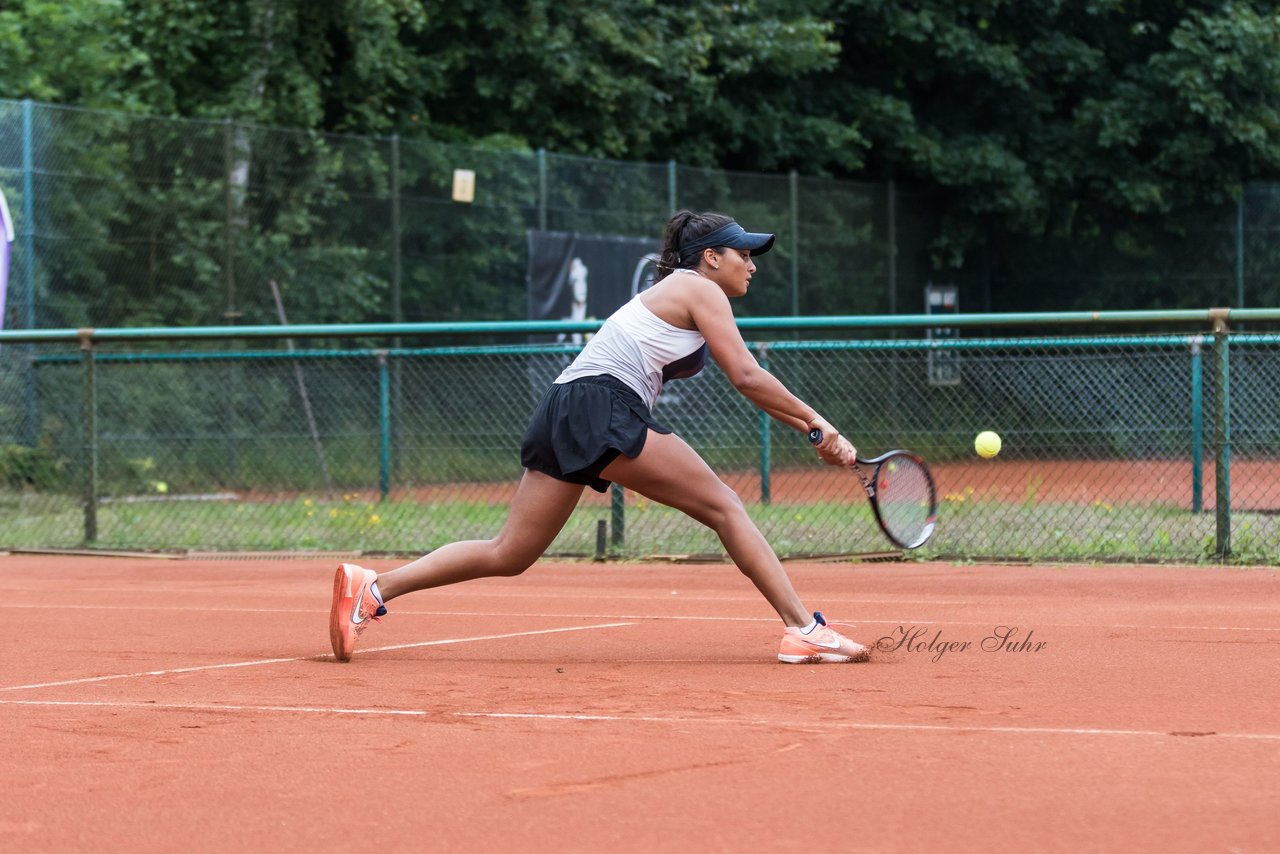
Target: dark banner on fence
{"x": 586, "y": 276}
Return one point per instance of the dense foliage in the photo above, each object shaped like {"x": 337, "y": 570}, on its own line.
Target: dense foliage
{"x": 1101, "y": 123}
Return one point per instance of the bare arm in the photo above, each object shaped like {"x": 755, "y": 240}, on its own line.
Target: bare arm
{"x": 712, "y": 314}
{"x": 791, "y": 422}
{"x": 841, "y": 453}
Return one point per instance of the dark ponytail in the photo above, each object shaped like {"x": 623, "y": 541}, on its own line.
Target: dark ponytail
{"x": 683, "y": 229}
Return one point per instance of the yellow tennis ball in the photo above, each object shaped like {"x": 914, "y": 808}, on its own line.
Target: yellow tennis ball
{"x": 162, "y": 487}
{"x": 987, "y": 444}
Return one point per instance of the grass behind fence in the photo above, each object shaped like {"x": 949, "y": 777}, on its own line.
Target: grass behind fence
{"x": 1031, "y": 530}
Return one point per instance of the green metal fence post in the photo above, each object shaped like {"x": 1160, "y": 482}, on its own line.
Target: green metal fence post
{"x": 766, "y": 493}
{"x": 1222, "y": 422}
{"x": 1197, "y": 424}
{"x": 384, "y": 426}
{"x": 231, "y": 402}
{"x": 542, "y": 189}
{"x": 231, "y": 315}
{"x": 90, "y": 418}
{"x": 671, "y": 186}
{"x": 29, "y": 213}
{"x": 795, "y": 243}
{"x": 617, "y": 495}
{"x": 29, "y": 261}
{"x": 1240, "y": 250}
{"x": 617, "y": 517}
{"x": 229, "y": 202}
{"x": 397, "y": 307}
{"x": 397, "y": 276}
{"x": 893, "y": 249}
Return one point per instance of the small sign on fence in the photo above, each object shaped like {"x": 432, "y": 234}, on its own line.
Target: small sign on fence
{"x": 464, "y": 185}
{"x": 944, "y": 363}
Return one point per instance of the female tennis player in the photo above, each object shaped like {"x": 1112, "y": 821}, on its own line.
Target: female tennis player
{"x": 595, "y": 426}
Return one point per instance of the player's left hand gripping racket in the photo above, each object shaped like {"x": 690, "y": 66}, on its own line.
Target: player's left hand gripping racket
{"x": 902, "y": 495}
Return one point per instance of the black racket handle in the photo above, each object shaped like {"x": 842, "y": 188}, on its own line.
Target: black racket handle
{"x": 815, "y": 438}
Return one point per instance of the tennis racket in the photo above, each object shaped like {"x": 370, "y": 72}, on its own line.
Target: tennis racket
{"x": 902, "y": 495}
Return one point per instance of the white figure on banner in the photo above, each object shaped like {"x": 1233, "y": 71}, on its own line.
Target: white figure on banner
{"x": 578, "y": 272}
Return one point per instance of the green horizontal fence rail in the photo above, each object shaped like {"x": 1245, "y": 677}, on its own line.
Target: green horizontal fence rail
{"x": 527, "y": 327}
{"x": 1110, "y": 437}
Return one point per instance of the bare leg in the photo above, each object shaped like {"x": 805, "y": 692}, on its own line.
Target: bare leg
{"x": 670, "y": 472}
{"x": 541, "y": 507}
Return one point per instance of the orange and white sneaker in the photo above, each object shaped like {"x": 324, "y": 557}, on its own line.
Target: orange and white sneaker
{"x": 354, "y": 605}
{"x": 822, "y": 644}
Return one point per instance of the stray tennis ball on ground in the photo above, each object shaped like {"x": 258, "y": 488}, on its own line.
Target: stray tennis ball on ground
{"x": 162, "y": 487}
{"x": 987, "y": 444}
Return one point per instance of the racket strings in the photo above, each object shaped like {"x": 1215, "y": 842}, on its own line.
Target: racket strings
{"x": 906, "y": 498}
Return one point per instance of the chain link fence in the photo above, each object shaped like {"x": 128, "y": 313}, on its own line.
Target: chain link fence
{"x": 127, "y": 220}
{"x": 1113, "y": 445}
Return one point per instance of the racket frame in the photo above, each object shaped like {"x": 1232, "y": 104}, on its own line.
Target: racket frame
{"x": 869, "y": 487}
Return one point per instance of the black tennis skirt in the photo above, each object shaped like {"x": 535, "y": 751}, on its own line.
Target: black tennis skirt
{"x": 580, "y": 427}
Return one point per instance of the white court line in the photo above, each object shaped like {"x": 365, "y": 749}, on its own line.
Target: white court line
{"x": 772, "y": 723}
{"x": 870, "y": 621}
{"x": 263, "y": 661}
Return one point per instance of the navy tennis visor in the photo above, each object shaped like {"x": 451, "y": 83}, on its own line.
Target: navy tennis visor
{"x": 732, "y": 236}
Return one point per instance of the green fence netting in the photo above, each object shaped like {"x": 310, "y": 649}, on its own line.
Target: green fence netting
{"x": 128, "y": 220}
{"x": 1116, "y": 446}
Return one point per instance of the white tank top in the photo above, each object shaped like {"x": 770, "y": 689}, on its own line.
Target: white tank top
{"x": 640, "y": 349}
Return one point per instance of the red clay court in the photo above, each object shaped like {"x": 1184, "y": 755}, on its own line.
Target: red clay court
{"x": 194, "y": 705}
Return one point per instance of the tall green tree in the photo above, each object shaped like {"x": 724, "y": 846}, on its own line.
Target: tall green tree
{"x": 1057, "y": 117}
{"x": 70, "y": 51}
{"x": 1100, "y": 122}
{"x": 631, "y": 79}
